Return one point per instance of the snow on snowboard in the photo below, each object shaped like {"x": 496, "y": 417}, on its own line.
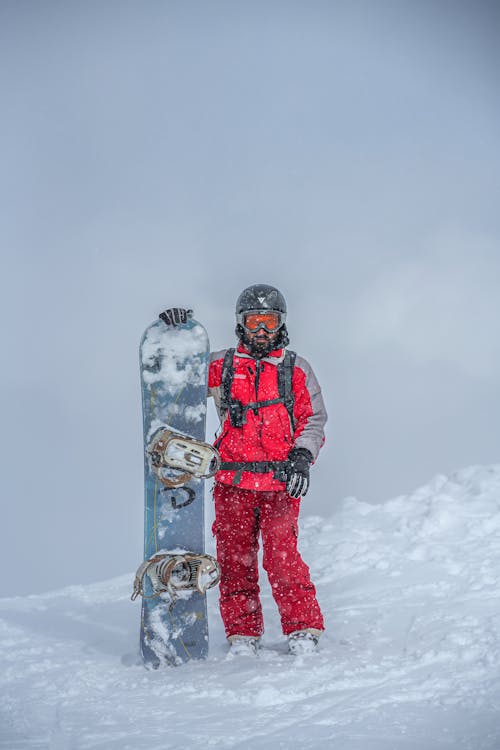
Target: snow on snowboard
{"x": 175, "y": 573}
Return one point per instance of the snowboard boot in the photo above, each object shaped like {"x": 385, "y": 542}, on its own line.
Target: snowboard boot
{"x": 303, "y": 641}
{"x": 243, "y": 645}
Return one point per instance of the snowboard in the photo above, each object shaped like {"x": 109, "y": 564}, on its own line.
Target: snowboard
{"x": 174, "y": 370}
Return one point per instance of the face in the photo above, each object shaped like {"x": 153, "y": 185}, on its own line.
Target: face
{"x": 261, "y": 331}
{"x": 261, "y": 341}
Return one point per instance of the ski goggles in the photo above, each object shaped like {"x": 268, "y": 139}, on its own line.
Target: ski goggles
{"x": 254, "y": 320}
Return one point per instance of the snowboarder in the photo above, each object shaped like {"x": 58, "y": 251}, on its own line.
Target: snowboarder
{"x": 272, "y": 428}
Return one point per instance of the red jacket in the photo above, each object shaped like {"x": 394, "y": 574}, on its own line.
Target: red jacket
{"x": 267, "y": 435}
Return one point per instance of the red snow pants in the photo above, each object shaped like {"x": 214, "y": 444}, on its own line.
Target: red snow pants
{"x": 240, "y": 515}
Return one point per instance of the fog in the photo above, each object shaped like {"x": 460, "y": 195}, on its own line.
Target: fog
{"x": 170, "y": 153}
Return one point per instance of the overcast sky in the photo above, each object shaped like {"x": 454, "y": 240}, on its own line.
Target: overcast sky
{"x": 172, "y": 153}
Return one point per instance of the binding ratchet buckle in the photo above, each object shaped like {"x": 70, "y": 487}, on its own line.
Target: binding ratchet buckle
{"x": 176, "y": 458}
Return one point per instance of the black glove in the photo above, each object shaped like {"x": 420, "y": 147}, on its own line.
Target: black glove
{"x": 175, "y": 316}
{"x": 297, "y": 470}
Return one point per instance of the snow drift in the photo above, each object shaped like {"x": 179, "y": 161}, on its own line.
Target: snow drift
{"x": 410, "y": 661}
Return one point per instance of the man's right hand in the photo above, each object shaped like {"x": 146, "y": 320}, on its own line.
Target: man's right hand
{"x": 175, "y": 316}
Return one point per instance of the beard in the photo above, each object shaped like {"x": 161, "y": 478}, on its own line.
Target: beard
{"x": 260, "y": 346}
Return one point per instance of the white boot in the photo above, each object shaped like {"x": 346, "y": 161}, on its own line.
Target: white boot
{"x": 243, "y": 645}
{"x": 303, "y": 641}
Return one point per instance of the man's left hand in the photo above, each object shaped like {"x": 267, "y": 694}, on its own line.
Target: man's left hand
{"x": 299, "y": 461}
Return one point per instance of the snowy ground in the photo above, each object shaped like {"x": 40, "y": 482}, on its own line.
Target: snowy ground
{"x": 411, "y": 659}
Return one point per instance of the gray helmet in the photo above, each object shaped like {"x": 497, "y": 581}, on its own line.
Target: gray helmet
{"x": 261, "y": 297}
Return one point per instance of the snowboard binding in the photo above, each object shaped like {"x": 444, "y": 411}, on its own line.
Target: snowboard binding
{"x": 174, "y": 573}
{"x": 176, "y": 458}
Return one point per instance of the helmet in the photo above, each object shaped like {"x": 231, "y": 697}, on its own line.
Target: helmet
{"x": 260, "y": 298}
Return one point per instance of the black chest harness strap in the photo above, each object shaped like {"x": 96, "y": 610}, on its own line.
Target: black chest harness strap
{"x": 238, "y": 411}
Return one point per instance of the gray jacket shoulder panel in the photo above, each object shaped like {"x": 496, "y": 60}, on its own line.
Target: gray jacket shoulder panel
{"x": 312, "y": 436}
{"x": 217, "y": 355}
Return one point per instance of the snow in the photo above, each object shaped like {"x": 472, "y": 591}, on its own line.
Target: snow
{"x": 410, "y": 661}
{"x": 182, "y": 361}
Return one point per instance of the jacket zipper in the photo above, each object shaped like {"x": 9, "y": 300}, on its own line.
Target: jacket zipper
{"x": 257, "y": 381}
{"x": 257, "y": 411}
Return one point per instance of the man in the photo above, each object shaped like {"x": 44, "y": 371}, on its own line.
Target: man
{"x": 269, "y": 438}
{"x": 272, "y": 428}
